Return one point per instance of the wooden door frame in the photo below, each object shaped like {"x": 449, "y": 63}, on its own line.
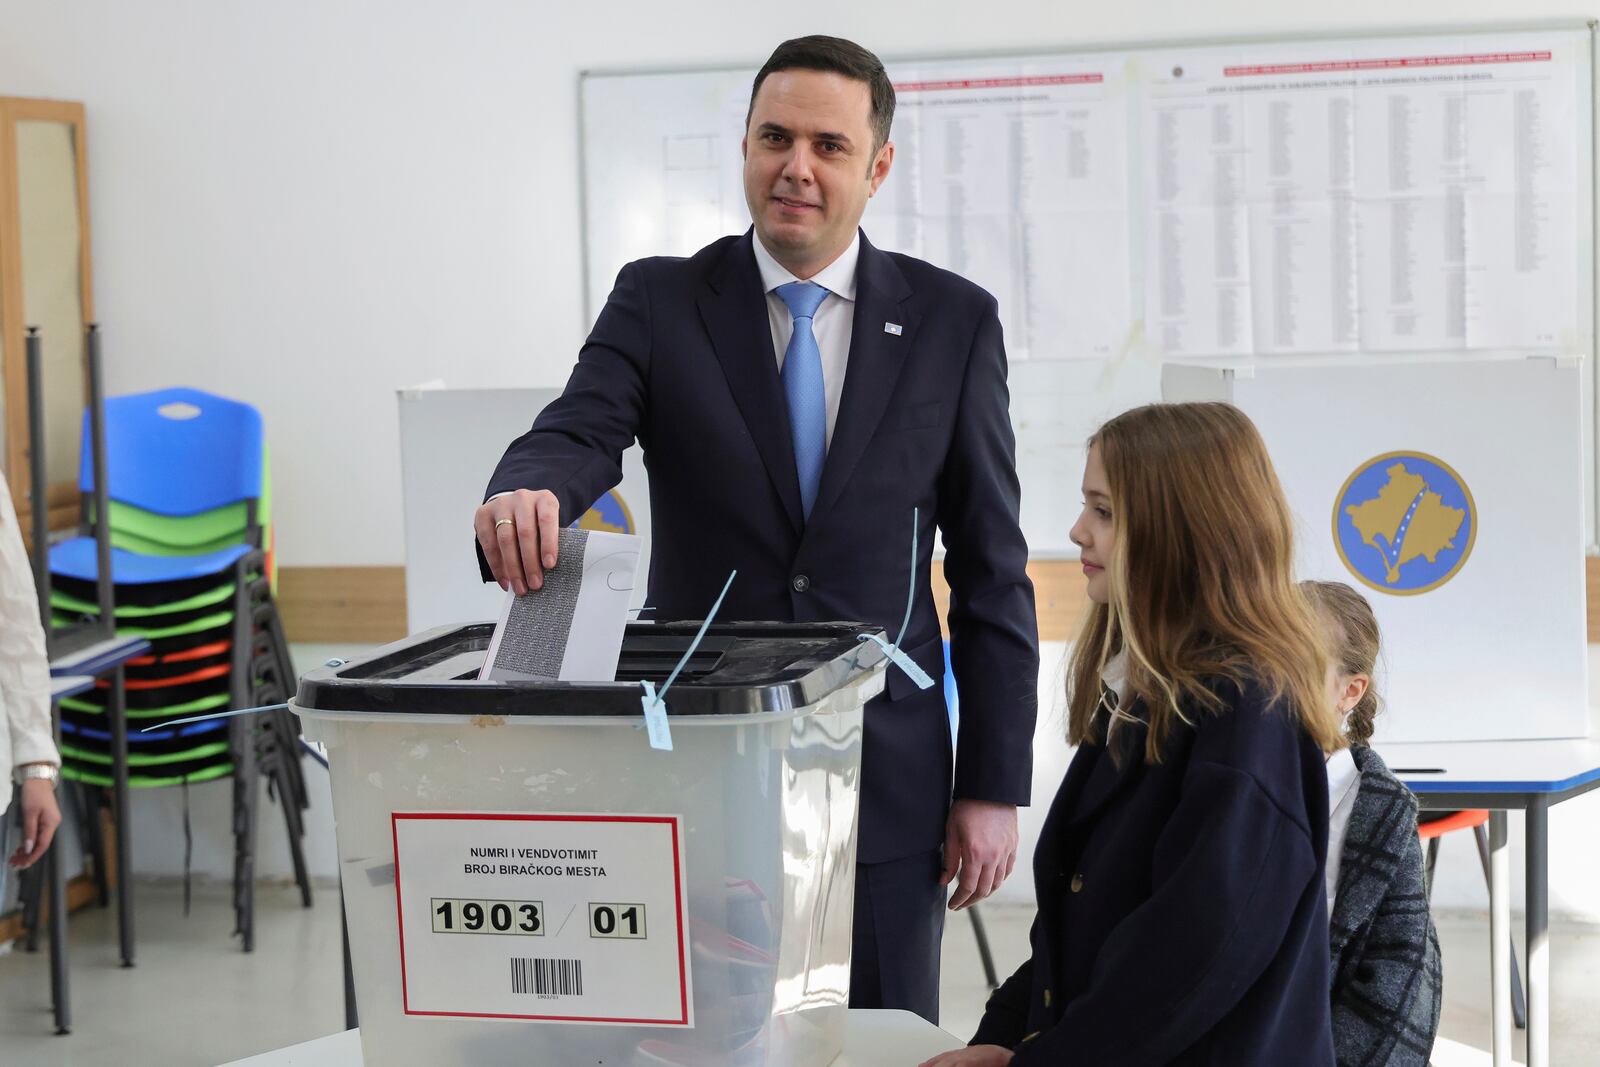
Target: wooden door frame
{"x": 13, "y": 330}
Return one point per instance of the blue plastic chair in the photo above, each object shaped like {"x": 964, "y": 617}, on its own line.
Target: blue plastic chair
{"x": 194, "y": 729}
{"x": 179, "y": 451}
{"x": 176, "y": 452}
{"x": 76, "y": 559}
{"x": 952, "y": 701}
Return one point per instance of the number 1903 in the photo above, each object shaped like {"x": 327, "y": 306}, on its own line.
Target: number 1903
{"x": 525, "y": 917}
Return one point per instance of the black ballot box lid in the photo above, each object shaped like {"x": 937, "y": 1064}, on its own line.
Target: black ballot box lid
{"x": 739, "y": 668}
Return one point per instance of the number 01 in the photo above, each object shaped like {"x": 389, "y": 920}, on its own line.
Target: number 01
{"x": 616, "y": 920}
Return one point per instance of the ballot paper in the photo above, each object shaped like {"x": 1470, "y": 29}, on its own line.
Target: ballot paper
{"x": 570, "y": 629}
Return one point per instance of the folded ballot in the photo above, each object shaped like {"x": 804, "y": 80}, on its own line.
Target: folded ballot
{"x": 571, "y": 628}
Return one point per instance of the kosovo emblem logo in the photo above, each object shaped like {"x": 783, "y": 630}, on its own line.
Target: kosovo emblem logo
{"x": 1404, "y": 523}
{"x": 610, "y": 514}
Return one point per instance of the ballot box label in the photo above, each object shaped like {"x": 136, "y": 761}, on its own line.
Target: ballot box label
{"x": 574, "y": 918}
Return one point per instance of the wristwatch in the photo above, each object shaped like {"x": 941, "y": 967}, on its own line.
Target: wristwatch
{"x": 29, "y": 771}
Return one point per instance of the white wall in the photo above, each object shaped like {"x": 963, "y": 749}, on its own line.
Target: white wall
{"x": 309, "y": 205}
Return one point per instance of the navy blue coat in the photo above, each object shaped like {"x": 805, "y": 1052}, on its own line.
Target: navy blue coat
{"x": 1182, "y": 914}
{"x": 681, "y": 358}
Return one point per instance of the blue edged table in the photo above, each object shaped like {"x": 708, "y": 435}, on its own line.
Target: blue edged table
{"x": 1502, "y": 776}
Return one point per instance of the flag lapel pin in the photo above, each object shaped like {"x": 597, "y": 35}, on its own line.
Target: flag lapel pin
{"x": 892, "y": 328}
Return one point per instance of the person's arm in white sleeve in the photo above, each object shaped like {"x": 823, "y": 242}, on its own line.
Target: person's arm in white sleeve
{"x": 25, "y": 685}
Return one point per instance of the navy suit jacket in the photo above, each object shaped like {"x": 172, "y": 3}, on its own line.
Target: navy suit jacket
{"x": 681, "y": 358}
{"x": 1182, "y": 912}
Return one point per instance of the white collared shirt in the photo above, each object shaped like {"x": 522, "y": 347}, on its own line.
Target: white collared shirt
{"x": 832, "y": 323}
{"x": 1114, "y": 676}
{"x": 1344, "y": 781}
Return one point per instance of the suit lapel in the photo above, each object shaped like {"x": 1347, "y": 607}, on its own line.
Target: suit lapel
{"x": 876, "y": 357}
{"x": 734, "y": 310}
{"x": 1110, "y": 776}
{"x": 1085, "y": 762}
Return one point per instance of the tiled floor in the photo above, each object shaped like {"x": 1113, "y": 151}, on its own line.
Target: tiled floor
{"x": 195, "y": 999}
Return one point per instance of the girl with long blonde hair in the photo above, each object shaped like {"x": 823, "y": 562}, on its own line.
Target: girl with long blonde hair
{"x": 1179, "y": 873}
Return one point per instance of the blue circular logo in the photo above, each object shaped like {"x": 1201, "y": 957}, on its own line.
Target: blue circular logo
{"x": 610, "y": 514}
{"x": 1404, "y": 523}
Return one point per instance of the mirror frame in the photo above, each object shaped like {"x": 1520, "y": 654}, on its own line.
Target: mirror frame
{"x": 63, "y": 500}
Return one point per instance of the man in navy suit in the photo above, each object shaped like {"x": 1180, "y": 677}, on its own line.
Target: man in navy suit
{"x": 797, "y": 393}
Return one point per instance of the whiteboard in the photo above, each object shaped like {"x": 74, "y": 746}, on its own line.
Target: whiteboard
{"x": 1409, "y": 197}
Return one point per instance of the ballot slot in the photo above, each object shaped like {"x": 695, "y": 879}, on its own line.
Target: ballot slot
{"x": 736, "y": 669}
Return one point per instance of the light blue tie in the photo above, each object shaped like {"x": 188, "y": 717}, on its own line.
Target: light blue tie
{"x": 803, "y": 389}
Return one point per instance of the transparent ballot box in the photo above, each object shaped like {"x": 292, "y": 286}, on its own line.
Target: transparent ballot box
{"x": 528, "y": 881}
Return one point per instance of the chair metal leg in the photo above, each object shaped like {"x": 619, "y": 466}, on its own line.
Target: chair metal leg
{"x": 295, "y": 829}
{"x": 984, "y": 954}
{"x": 242, "y": 744}
{"x": 287, "y": 730}
{"x": 30, "y": 891}
{"x": 118, "y": 708}
{"x": 1427, "y": 872}
{"x": 282, "y": 673}
{"x": 86, "y": 801}
{"x": 1519, "y": 1000}
{"x": 280, "y": 644}
{"x": 59, "y": 991}
{"x": 245, "y": 793}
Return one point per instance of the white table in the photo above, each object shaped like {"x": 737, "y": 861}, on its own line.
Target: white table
{"x": 871, "y": 1039}
{"x": 1501, "y": 776}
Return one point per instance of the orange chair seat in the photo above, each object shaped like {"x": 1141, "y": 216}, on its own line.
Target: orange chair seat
{"x": 1456, "y": 820}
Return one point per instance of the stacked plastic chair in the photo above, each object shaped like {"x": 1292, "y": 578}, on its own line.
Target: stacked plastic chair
{"x": 192, "y": 569}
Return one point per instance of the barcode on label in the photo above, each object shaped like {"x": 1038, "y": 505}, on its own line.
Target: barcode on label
{"x": 562, "y": 978}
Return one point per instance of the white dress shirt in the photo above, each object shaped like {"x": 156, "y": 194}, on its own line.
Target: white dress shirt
{"x": 1114, "y": 676}
{"x": 25, "y": 733}
{"x": 1344, "y": 782}
{"x": 832, "y": 323}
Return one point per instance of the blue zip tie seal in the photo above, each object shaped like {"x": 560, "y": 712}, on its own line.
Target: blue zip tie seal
{"x": 655, "y": 718}
{"x": 231, "y": 714}
{"x": 654, "y": 704}
{"x": 898, "y": 657}
{"x": 215, "y": 715}
{"x": 896, "y": 654}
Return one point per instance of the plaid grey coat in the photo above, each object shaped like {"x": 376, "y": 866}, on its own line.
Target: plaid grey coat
{"x": 1384, "y": 951}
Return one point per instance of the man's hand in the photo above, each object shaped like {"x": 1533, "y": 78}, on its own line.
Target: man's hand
{"x": 518, "y": 533}
{"x": 972, "y": 1056}
{"x": 980, "y": 842}
{"x": 40, "y": 817}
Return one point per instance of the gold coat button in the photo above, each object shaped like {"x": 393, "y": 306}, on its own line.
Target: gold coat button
{"x": 1047, "y": 998}
{"x": 1077, "y": 882}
